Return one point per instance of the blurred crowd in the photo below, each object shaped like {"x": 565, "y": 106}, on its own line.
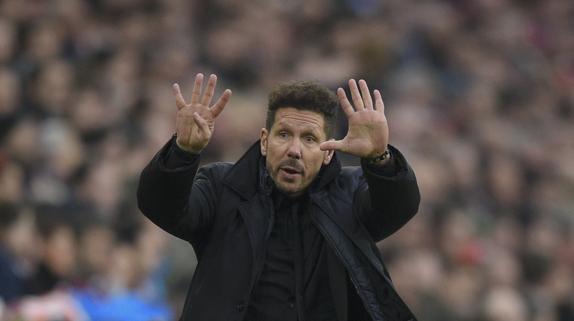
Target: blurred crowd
{"x": 479, "y": 95}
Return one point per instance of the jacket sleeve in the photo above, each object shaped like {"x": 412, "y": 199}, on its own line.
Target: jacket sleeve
{"x": 386, "y": 202}
{"x": 180, "y": 200}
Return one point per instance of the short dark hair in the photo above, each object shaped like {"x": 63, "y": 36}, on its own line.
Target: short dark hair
{"x": 304, "y": 95}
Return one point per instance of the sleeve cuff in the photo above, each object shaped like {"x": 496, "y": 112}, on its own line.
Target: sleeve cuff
{"x": 177, "y": 157}
{"x": 391, "y": 169}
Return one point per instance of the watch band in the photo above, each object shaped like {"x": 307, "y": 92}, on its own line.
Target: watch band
{"x": 385, "y": 155}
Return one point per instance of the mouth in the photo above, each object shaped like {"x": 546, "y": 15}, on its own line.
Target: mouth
{"x": 290, "y": 170}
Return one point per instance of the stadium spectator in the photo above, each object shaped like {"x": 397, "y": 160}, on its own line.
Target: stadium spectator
{"x": 480, "y": 94}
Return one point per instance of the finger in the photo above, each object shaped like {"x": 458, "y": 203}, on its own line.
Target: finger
{"x": 197, "y": 88}
{"x": 201, "y": 124}
{"x": 221, "y": 103}
{"x": 356, "y": 96}
{"x": 367, "y": 99}
{"x": 209, "y": 90}
{"x": 179, "y": 101}
{"x": 344, "y": 102}
{"x": 332, "y": 145}
{"x": 379, "y": 104}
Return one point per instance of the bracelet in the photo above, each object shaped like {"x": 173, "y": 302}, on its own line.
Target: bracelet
{"x": 375, "y": 160}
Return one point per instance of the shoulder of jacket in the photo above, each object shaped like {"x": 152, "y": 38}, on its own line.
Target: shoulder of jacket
{"x": 351, "y": 172}
{"x": 350, "y": 177}
{"x": 216, "y": 170}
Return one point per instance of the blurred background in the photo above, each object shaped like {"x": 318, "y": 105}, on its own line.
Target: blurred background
{"x": 479, "y": 95}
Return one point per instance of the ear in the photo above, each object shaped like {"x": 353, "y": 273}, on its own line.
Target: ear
{"x": 328, "y": 156}
{"x": 263, "y": 136}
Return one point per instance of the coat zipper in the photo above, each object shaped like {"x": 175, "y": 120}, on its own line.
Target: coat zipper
{"x": 259, "y": 260}
{"x": 340, "y": 255}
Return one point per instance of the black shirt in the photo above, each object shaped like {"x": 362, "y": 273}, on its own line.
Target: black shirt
{"x": 293, "y": 284}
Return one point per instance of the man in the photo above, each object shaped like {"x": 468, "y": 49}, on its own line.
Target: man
{"x": 285, "y": 233}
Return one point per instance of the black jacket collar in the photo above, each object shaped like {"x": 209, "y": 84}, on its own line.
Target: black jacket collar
{"x": 248, "y": 176}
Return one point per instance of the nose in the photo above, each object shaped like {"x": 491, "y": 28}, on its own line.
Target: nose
{"x": 294, "y": 150}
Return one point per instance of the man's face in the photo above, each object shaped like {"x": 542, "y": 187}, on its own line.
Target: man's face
{"x": 291, "y": 147}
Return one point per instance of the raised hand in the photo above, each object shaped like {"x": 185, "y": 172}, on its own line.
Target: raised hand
{"x": 368, "y": 132}
{"x": 195, "y": 120}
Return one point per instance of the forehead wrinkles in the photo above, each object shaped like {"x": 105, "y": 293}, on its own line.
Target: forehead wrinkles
{"x": 300, "y": 120}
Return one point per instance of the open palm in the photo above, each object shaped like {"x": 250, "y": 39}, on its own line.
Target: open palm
{"x": 195, "y": 121}
{"x": 368, "y": 133}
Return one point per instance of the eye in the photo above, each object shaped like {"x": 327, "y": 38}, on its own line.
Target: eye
{"x": 282, "y": 134}
{"x": 310, "y": 139}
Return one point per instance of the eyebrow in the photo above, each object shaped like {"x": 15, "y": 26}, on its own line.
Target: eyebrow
{"x": 304, "y": 127}
{"x": 307, "y": 130}
{"x": 313, "y": 132}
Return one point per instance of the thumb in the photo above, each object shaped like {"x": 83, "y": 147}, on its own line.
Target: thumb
{"x": 332, "y": 145}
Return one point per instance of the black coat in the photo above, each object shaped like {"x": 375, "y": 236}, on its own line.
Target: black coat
{"x": 226, "y": 213}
